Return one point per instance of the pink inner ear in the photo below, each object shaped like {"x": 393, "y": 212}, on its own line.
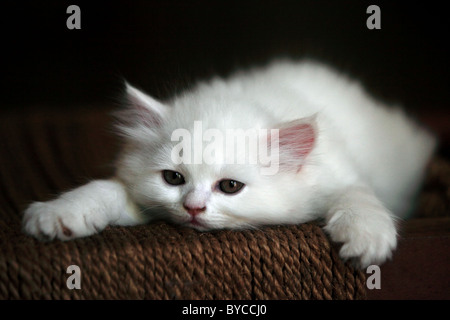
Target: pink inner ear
{"x": 298, "y": 140}
{"x": 142, "y": 114}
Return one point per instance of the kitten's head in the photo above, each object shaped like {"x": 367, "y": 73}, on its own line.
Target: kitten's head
{"x": 176, "y": 161}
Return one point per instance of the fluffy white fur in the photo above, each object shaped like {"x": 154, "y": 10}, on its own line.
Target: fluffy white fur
{"x": 364, "y": 166}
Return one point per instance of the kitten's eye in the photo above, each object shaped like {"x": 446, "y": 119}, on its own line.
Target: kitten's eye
{"x": 230, "y": 186}
{"x": 172, "y": 177}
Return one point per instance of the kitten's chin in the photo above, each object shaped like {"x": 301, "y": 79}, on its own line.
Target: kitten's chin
{"x": 196, "y": 224}
{"x": 202, "y": 224}
{"x": 200, "y": 228}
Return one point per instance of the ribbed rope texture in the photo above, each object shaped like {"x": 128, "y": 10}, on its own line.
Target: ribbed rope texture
{"x": 162, "y": 261}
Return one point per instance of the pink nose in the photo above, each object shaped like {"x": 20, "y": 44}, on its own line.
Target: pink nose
{"x": 194, "y": 211}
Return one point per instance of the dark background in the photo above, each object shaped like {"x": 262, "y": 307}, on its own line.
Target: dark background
{"x": 163, "y": 46}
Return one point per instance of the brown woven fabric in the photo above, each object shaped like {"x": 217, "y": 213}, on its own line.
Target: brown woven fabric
{"x": 42, "y": 155}
{"x": 165, "y": 262}
{"x": 434, "y": 200}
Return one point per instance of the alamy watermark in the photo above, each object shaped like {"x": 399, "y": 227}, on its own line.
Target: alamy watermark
{"x": 234, "y": 146}
{"x": 374, "y": 20}
{"x": 74, "y": 280}
{"x": 374, "y": 280}
{"x": 74, "y": 20}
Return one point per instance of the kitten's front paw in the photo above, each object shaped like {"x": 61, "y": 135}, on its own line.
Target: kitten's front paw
{"x": 60, "y": 219}
{"x": 368, "y": 237}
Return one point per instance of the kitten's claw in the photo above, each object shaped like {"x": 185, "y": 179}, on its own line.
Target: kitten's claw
{"x": 60, "y": 219}
{"x": 81, "y": 212}
{"x": 367, "y": 238}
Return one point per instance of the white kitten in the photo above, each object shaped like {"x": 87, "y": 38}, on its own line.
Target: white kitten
{"x": 343, "y": 156}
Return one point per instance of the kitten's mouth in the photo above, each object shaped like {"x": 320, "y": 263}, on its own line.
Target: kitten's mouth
{"x": 199, "y": 225}
{"x": 196, "y": 223}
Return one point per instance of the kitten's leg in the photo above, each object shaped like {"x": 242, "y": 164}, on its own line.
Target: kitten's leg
{"x": 364, "y": 226}
{"x": 82, "y": 212}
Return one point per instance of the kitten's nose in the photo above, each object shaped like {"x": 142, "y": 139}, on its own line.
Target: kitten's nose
{"x": 193, "y": 211}
{"x": 195, "y": 201}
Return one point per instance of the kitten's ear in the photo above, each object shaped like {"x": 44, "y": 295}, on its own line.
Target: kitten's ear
{"x": 296, "y": 140}
{"x": 141, "y": 116}
{"x": 142, "y": 108}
